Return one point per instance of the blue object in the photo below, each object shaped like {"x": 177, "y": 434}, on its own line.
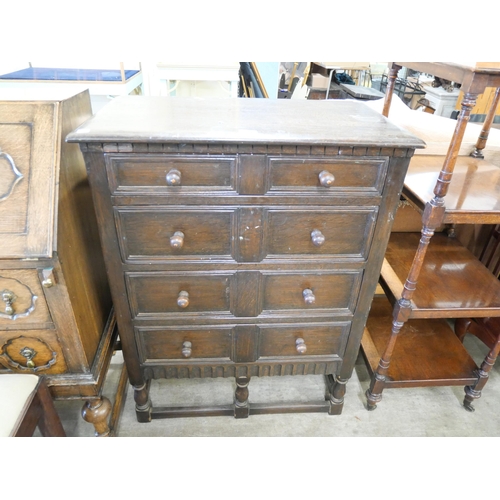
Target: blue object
{"x": 85, "y": 75}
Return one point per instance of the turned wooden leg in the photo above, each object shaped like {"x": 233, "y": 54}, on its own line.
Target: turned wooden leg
{"x": 337, "y": 387}
{"x": 401, "y": 314}
{"x": 473, "y": 392}
{"x": 483, "y": 136}
{"x": 96, "y": 412}
{"x": 241, "y": 405}
{"x": 391, "y": 80}
{"x": 142, "y": 403}
{"x": 377, "y": 383}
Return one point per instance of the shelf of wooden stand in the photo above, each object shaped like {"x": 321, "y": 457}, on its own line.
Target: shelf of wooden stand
{"x": 473, "y": 195}
{"x": 453, "y": 283}
{"x": 427, "y": 352}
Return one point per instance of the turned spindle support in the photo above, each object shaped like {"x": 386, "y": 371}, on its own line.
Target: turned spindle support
{"x": 391, "y": 82}
{"x": 337, "y": 388}
{"x": 241, "y": 405}
{"x": 473, "y": 392}
{"x": 485, "y": 132}
{"x": 142, "y": 403}
{"x": 97, "y": 412}
{"x": 432, "y": 218}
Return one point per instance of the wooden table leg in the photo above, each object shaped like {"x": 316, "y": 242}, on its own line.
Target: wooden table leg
{"x": 389, "y": 91}
{"x": 473, "y": 392}
{"x": 402, "y": 312}
{"x": 485, "y": 132}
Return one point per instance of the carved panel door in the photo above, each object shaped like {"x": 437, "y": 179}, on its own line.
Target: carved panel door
{"x": 27, "y": 194}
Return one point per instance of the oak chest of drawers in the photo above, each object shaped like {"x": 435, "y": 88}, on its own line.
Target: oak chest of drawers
{"x": 242, "y": 237}
{"x": 55, "y": 310}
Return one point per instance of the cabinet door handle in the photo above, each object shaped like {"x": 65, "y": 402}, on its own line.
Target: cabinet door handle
{"x": 29, "y": 354}
{"x": 186, "y": 349}
{"x": 174, "y": 177}
{"x": 300, "y": 345}
{"x": 326, "y": 179}
{"x": 317, "y": 237}
{"x": 183, "y": 299}
{"x": 177, "y": 240}
{"x": 308, "y": 295}
{"x": 8, "y": 297}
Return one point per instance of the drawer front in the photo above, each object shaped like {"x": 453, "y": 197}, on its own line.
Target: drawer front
{"x": 242, "y": 293}
{"x": 346, "y": 233}
{"x": 311, "y": 291}
{"x": 167, "y": 293}
{"x": 162, "y": 174}
{"x": 226, "y": 344}
{"x": 303, "y": 340}
{"x": 242, "y": 234}
{"x": 174, "y": 233}
{"x": 327, "y": 177}
{"x": 185, "y": 343}
{"x": 31, "y": 351}
{"x": 23, "y": 301}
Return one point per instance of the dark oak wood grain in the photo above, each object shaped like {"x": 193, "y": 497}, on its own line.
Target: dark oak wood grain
{"x": 145, "y": 119}
{"x": 280, "y": 215}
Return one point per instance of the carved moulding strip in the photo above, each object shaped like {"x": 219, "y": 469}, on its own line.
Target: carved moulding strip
{"x": 221, "y": 149}
{"x": 231, "y": 370}
{"x": 11, "y": 169}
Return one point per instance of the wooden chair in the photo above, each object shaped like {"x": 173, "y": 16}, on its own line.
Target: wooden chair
{"x": 26, "y": 404}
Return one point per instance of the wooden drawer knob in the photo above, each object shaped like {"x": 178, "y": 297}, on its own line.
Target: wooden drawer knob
{"x": 300, "y": 345}
{"x": 326, "y": 179}
{"x": 309, "y": 297}
{"x": 183, "y": 299}
{"x": 177, "y": 240}
{"x": 317, "y": 237}
{"x": 186, "y": 349}
{"x": 174, "y": 178}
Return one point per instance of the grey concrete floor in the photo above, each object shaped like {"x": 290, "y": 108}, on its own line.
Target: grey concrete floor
{"x": 414, "y": 412}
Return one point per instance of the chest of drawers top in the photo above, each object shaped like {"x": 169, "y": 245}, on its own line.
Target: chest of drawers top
{"x": 240, "y": 122}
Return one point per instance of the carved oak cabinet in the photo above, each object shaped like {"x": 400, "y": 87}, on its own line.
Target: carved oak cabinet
{"x": 55, "y": 310}
{"x": 242, "y": 237}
